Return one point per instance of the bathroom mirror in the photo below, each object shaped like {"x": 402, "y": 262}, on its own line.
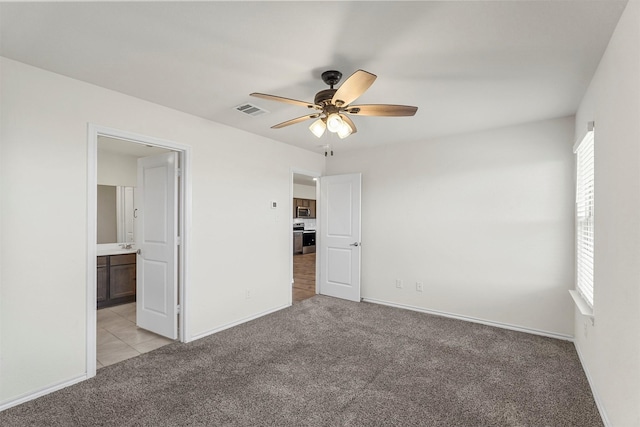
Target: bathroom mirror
{"x": 115, "y": 214}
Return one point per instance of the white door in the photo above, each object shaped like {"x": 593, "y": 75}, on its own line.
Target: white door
{"x": 339, "y": 240}
{"x": 156, "y": 231}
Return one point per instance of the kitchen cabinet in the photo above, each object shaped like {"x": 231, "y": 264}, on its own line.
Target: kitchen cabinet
{"x": 312, "y": 205}
{"x": 305, "y": 203}
{"x": 116, "y": 280}
{"x": 103, "y": 279}
{"x": 297, "y": 242}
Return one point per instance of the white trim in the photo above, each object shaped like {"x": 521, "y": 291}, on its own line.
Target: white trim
{"x": 319, "y": 254}
{"x": 312, "y": 174}
{"x": 584, "y": 218}
{"x": 185, "y": 227}
{"x": 583, "y": 306}
{"x": 185, "y": 241}
{"x": 41, "y": 392}
{"x": 139, "y": 138}
{"x": 473, "y": 319}
{"x": 290, "y": 246}
{"x": 594, "y": 391}
{"x": 590, "y": 128}
{"x": 92, "y": 248}
{"x": 238, "y": 322}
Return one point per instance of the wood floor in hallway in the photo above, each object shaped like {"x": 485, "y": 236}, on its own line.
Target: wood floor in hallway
{"x": 304, "y": 277}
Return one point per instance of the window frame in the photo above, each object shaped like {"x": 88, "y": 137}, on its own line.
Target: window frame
{"x": 585, "y": 221}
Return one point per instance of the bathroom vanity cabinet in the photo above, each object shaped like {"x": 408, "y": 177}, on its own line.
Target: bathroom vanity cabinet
{"x": 116, "y": 279}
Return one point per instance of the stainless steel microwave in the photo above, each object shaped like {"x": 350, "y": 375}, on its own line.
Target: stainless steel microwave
{"x": 303, "y": 212}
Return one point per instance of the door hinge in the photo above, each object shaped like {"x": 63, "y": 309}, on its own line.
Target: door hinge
{"x": 178, "y": 172}
{"x": 177, "y": 309}
{"x": 179, "y": 241}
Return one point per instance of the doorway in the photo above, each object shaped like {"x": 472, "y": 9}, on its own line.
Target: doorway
{"x": 304, "y": 208}
{"x": 132, "y": 146}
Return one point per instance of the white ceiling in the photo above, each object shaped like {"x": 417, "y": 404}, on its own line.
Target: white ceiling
{"x": 468, "y": 66}
{"x": 303, "y": 180}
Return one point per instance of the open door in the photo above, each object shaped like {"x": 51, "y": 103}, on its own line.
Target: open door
{"x": 339, "y": 243}
{"x": 156, "y": 230}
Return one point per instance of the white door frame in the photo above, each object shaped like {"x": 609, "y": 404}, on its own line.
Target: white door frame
{"x": 184, "y": 226}
{"x": 312, "y": 174}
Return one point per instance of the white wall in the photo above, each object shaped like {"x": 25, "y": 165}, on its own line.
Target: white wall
{"x": 610, "y": 349}
{"x": 2, "y": 185}
{"x": 304, "y": 191}
{"x": 117, "y": 169}
{"x": 484, "y": 220}
{"x": 44, "y": 225}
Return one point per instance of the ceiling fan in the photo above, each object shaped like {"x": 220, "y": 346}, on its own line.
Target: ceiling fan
{"x": 332, "y": 106}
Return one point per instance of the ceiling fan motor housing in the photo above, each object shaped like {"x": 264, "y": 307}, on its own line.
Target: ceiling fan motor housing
{"x": 333, "y": 112}
{"x": 324, "y": 97}
{"x": 331, "y": 77}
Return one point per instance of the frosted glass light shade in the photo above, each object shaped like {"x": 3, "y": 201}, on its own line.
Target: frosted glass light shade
{"x": 334, "y": 122}
{"x": 345, "y": 130}
{"x": 318, "y": 127}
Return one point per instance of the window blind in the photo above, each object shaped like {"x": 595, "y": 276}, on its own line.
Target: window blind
{"x": 585, "y": 217}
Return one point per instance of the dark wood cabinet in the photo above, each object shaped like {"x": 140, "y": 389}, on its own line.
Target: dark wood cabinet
{"x": 312, "y": 205}
{"x": 116, "y": 280}
{"x": 305, "y": 203}
{"x": 103, "y": 279}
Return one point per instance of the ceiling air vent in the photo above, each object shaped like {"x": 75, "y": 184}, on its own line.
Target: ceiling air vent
{"x": 251, "y": 110}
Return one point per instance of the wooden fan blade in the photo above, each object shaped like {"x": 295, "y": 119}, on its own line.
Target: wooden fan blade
{"x": 382, "y": 110}
{"x": 353, "y": 87}
{"x": 285, "y": 100}
{"x": 350, "y": 123}
{"x": 294, "y": 121}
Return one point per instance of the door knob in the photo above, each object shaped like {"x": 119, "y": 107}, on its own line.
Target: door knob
{"x": 139, "y": 251}
{"x": 356, "y": 244}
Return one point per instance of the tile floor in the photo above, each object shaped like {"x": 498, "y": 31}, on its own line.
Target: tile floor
{"x": 119, "y": 338}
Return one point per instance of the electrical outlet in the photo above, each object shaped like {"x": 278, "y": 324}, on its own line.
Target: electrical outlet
{"x": 248, "y": 294}
{"x": 419, "y": 286}
{"x": 398, "y": 283}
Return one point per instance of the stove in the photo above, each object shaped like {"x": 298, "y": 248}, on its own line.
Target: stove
{"x": 308, "y": 244}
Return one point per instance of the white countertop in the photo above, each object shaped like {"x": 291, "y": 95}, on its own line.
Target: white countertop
{"x": 115, "y": 249}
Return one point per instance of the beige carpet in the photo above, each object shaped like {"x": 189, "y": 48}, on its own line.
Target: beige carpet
{"x": 328, "y": 362}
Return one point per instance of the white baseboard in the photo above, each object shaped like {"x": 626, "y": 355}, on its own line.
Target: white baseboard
{"x": 472, "y": 319}
{"x": 50, "y": 389}
{"x": 236, "y": 323}
{"x": 55, "y": 387}
{"x": 41, "y": 392}
{"x": 594, "y": 391}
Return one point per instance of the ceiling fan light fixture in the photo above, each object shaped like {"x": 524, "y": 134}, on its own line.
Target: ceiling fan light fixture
{"x": 345, "y": 130}
{"x": 333, "y": 106}
{"x": 318, "y": 127}
{"x": 334, "y": 122}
